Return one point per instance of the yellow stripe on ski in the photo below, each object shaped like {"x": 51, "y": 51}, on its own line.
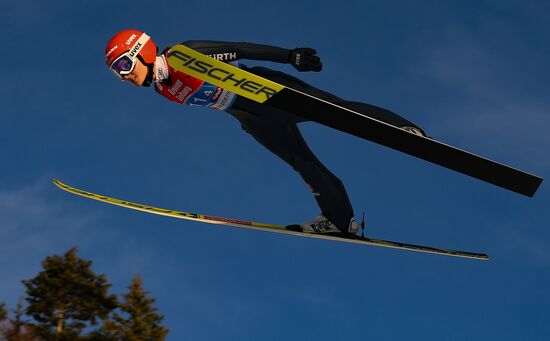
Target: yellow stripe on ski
{"x": 264, "y": 227}
{"x": 163, "y": 211}
{"x": 222, "y": 74}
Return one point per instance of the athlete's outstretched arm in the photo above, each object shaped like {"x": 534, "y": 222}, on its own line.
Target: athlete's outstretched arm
{"x": 303, "y": 59}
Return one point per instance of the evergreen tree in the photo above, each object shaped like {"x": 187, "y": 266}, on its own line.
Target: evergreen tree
{"x": 3, "y": 312}
{"x": 140, "y": 320}
{"x": 4, "y": 324}
{"x": 15, "y": 329}
{"x": 66, "y": 297}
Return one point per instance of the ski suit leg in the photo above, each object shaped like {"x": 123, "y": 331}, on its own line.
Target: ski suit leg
{"x": 375, "y": 112}
{"x": 283, "y": 138}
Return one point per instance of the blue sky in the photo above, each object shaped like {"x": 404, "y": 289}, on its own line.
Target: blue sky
{"x": 474, "y": 74}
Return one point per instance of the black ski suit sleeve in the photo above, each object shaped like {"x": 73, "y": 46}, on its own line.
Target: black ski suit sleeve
{"x": 229, "y": 51}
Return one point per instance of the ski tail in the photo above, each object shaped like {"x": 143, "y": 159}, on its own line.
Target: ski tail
{"x": 425, "y": 249}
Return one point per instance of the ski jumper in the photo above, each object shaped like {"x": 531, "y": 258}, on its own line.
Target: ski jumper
{"x": 276, "y": 130}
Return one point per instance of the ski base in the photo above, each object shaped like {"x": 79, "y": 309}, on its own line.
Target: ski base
{"x": 347, "y": 238}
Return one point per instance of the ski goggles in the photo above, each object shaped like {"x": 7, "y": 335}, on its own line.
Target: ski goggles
{"x": 126, "y": 62}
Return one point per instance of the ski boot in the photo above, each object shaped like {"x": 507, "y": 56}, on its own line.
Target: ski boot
{"x": 320, "y": 224}
{"x": 415, "y": 130}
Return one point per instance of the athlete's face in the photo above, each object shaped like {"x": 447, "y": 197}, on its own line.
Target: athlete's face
{"x": 138, "y": 74}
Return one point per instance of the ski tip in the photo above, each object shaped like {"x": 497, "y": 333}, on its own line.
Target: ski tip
{"x": 59, "y": 184}
{"x": 483, "y": 257}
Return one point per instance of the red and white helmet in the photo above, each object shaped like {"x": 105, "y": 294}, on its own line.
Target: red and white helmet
{"x": 124, "y": 48}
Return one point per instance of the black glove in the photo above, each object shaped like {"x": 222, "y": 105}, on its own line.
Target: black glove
{"x": 304, "y": 59}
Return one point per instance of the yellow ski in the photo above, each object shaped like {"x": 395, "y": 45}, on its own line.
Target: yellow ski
{"x": 264, "y": 227}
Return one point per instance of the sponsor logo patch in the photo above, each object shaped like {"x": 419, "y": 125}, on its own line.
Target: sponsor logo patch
{"x": 131, "y": 39}
{"x": 111, "y": 51}
{"x": 219, "y": 74}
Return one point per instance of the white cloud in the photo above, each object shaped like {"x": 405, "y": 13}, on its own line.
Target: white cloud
{"x": 38, "y": 220}
{"x": 33, "y": 226}
{"x": 492, "y": 111}
{"x": 28, "y": 213}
